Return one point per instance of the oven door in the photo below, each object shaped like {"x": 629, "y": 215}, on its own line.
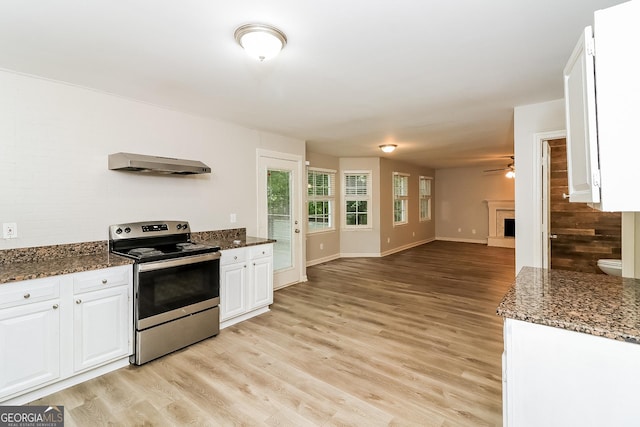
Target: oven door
{"x": 169, "y": 289}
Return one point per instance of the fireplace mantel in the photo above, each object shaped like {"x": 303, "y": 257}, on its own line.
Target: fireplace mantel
{"x": 498, "y": 211}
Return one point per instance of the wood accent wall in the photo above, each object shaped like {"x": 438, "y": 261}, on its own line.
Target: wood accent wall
{"x": 584, "y": 234}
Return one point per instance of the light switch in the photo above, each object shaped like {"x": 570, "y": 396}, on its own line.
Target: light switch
{"x": 232, "y": 218}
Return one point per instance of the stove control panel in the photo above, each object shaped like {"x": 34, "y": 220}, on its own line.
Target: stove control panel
{"x": 146, "y": 229}
{"x": 154, "y": 228}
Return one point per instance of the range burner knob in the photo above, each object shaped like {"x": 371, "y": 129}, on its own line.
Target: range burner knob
{"x": 184, "y": 226}
{"x": 179, "y": 226}
{"x": 119, "y": 230}
{"x": 127, "y": 230}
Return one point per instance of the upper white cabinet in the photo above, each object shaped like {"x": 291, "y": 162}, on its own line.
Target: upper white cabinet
{"x": 602, "y": 95}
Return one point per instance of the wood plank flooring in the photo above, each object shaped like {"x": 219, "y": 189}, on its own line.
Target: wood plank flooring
{"x": 411, "y": 339}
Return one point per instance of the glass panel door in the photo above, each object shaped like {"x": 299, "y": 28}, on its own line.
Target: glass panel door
{"x": 279, "y": 208}
{"x": 279, "y": 217}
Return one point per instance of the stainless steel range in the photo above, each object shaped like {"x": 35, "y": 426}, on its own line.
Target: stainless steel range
{"x": 176, "y": 286}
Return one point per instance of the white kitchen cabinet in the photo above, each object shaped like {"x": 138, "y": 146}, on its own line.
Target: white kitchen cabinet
{"x": 261, "y": 288}
{"x": 60, "y": 331}
{"x": 602, "y": 141}
{"x": 556, "y": 377}
{"x": 246, "y": 283}
{"x": 102, "y": 321}
{"x": 233, "y": 283}
{"x": 29, "y": 335}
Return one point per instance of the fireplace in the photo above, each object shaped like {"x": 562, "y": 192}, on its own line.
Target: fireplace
{"x": 502, "y": 223}
{"x": 509, "y": 227}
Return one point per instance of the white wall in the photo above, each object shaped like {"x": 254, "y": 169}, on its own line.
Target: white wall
{"x": 460, "y": 202}
{"x": 529, "y": 121}
{"x": 54, "y": 180}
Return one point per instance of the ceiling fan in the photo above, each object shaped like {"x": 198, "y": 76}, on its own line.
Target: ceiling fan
{"x": 510, "y": 169}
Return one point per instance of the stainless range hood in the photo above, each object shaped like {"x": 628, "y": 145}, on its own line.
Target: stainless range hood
{"x": 155, "y": 164}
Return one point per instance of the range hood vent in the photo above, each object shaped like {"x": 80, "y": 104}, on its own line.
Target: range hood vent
{"x": 155, "y": 164}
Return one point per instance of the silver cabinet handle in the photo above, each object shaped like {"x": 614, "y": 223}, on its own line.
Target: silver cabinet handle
{"x": 27, "y": 296}
{"x": 78, "y": 301}
{"x": 565, "y": 196}
{"x": 104, "y": 281}
{"x": 55, "y": 306}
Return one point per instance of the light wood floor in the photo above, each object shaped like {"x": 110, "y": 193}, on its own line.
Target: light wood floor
{"x": 409, "y": 339}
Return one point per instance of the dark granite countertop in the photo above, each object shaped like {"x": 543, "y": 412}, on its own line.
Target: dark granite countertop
{"x": 240, "y": 242}
{"x": 26, "y": 270}
{"x": 46, "y": 261}
{"x": 596, "y": 304}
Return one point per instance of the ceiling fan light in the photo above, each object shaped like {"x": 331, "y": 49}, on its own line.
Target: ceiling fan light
{"x": 388, "y": 148}
{"x": 260, "y": 41}
{"x": 510, "y": 174}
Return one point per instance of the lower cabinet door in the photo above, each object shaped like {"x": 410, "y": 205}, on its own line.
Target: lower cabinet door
{"x": 101, "y": 327}
{"x": 233, "y": 301}
{"x": 262, "y": 283}
{"x": 29, "y": 346}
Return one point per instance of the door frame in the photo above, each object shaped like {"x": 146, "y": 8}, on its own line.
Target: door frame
{"x": 540, "y": 196}
{"x": 262, "y": 157}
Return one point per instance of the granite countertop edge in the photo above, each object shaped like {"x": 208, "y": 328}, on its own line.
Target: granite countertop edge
{"x": 595, "y": 304}
{"x": 26, "y": 270}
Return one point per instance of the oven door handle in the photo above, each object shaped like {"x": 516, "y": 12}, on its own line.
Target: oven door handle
{"x": 159, "y": 265}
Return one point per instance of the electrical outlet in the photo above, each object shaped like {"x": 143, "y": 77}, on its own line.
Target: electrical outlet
{"x": 9, "y": 230}
{"x": 233, "y": 218}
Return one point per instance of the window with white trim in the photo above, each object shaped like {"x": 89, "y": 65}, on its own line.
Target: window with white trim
{"x": 425, "y": 198}
{"x": 357, "y": 199}
{"x": 320, "y": 199}
{"x": 400, "y": 198}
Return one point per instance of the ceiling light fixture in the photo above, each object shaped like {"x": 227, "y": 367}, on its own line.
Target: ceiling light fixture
{"x": 388, "y": 148}
{"x": 510, "y": 174}
{"x": 260, "y": 41}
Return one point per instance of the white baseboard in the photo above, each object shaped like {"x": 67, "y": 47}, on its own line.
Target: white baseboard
{"x": 360, "y": 255}
{"x": 322, "y": 260}
{"x": 407, "y": 246}
{"x": 454, "y": 239}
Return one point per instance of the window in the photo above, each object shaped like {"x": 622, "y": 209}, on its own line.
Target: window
{"x": 320, "y": 199}
{"x": 400, "y": 198}
{"x": 357, "y": 199}
{"x": 425, "y": 198}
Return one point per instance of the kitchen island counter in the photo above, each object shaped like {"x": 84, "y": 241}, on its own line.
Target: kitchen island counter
{"x": 571, "y": 346}
{"x": 596, "y": 304}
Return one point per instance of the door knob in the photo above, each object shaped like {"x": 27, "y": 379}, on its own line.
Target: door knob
{"x": 297, "y": 230}
{"x": 553, "y": 236}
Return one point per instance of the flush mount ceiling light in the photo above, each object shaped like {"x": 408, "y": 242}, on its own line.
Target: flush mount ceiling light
{"x": 260, "y": 41}
{"x": 388, "y": 148}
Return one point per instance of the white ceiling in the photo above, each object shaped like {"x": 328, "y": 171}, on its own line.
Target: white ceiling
{"x": 438, "y": 78}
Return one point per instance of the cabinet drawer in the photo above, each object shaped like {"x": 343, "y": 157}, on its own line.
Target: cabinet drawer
{"x": 231, "y": 256}
{"x": 101, "y": 279}
{"x": 29, "y": 291}
{"x": 261, "y": 251}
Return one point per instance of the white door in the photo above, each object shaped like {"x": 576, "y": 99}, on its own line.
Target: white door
{"x": 279, "y": 208}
